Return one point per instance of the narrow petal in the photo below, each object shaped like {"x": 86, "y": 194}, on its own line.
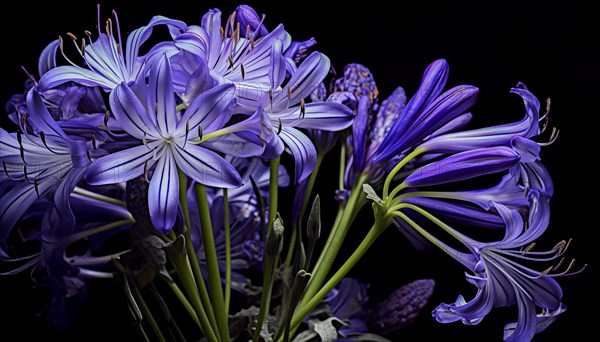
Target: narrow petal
{"x": 206, "y": 167}
{"x": 308, "y": 77}
{"x": 163, "y": 193}
{"x": 277, "y": 70}
{"x": 40, "y": 117}
{"x": 162, "y": 95}
{"x": 463, "y": 166}
{"x": 359, "y": 133}
{"x": 15, "y": 203}
{"x": 131, "y": 113}
{"x": 67, "y": 73}
{"x": 120, "y": 166}
{"x": 211, "y": 22}
{"x": 47, "y": 58}
{"x": 209, "y": 110}
{"x": 303, "y": 150}
{"x": 325, "y": 116}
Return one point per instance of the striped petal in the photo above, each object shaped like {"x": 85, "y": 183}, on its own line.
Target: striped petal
{"x": 303, "y": 150}
{"x": 163, "y": 193}
{"x": 206, "y": 167}
{"x": 120, "y": 166}
{"x": 131, "y": 113}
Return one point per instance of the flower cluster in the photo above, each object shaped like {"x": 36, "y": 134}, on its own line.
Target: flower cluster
{"x": 178, "y": 152}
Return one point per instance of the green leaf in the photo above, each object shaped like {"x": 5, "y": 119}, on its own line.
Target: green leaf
{"x": 371, "y": 194}
{"x": 326, "y": 329}
{"x": 151, "y": 248}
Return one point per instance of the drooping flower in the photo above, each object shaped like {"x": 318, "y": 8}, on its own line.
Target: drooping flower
{"x": 164, "y": 142}
{"x": 502, "y": 279}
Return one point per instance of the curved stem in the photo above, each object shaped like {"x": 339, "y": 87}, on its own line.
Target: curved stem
{"x": 398, "y": 167}
{"x": 305, "y": 309}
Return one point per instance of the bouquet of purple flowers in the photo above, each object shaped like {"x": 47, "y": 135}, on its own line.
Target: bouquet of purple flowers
{"x": 161, "y": 158}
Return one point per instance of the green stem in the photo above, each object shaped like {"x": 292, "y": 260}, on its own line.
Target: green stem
{"x": 290, "y": 252}
{"x": 265, "y": 299}
{"x": 91, "y": 194}
{"x": 342, "y": 166}
{"x": 180, "y": 107}
{"x": 80, "y": 235}
{"x": 273, "y": 193}
{"x": 398, "y": 167}
{"x": 227, "y": 252}
{"x": 334, "y": 241}
{"x": 212, "y": 262}
{"x": 191, "y": 251}
{"x": 184, "y": 271}
{"x": 186, "y": 304}
{"x": 304, "y": 310}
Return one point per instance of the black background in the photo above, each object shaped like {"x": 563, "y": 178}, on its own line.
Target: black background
{"x": 552, "y": 48}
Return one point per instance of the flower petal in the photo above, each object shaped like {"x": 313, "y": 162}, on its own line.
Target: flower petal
{"x": 308, "y": 77}
{"x": 206, "y": 167}
{"x": 209, "y": 110}
{"x": 131, "y": 113}
{"x": 40, "y": 117}
{"x": 326, "y": 116}
{"x": 47, "y": 60}
{"x": 303, "y": 150}
{"x": 163, "y": 193}
{"x": 120, "y": 166}
{"x": 162, "y": 95}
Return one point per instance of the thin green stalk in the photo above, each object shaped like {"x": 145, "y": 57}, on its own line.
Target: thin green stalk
{"x": 191, "y": 251}
{"x": 227, "y": 252}
{"x": 265, "y": 299}
{"x": 290, "y": 252}
{"x": 334, "y": 241}
{"x": 342, "y": 166}
{"x": 273, "y": 191}
{"x": 210, "y": 251}
{"x": 305, "y": 309}
{"x": 184, "y": 301}
{"x": 398, "y": 167}
{"x": 80, "y": 235}
{"x": 184, "y": 271}
{"x": 91, "y": 194}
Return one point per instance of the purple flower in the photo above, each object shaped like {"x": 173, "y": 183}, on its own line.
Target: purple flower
{"x": 107, "y": 64}
{"x": 39, "y": 161}
{"x": 165, "y": 143}
{"x": 501, "y": 278}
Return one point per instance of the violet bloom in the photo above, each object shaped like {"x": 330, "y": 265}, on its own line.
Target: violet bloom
{"x": 107, "y": 65}
{"x": 164, "y": 143}
{"x": 39, "y": 161}
{"x": 501, "y": 278}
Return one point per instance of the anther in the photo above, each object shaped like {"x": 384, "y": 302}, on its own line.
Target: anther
{"x": 87, "y": 154}
{"x": 200, "y": 133}
{"x": 37, "y": 190}
{"x": 146, "y": 171}
{"x": 302, "y": 109}
{"x": 72, "y": 36}
{"x": 43, "y": 137}
{"x": 279, "y": 127}
{"x": 242, "y": 71}
{"x": 94, "y": 144}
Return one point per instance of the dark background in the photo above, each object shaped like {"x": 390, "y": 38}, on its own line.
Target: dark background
{"x": 552, "y": 48}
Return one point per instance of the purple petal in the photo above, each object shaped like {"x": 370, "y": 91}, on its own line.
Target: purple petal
{"x": 120, "y": 166}
{"x": 40, "y": 117}
{"x": 131, "y": 113}
{"x": 529, "y": 150}
{"x": 206, "y": 167}
{"x": 211, "y": 22}
{"x": 458, "y": 212}
{"x": 303, "y": 150}
{"x": 236, "y": 145}
{"x": 359, "y": 133}
{"x": 47, "y": 60}
{"x": 308, "y": 77}
{"x": 67, "y": 73}
{"x": 326, "y": 116}
{"x": 15, "y": 203}
{"x": 463, "y": 166}
{"x": 163, "y": 193}
{"x": 162, "y": 95}
{"x": 277, "y": 70}
{"x": 247, "y": 17}
{"x": 210, "y": 110}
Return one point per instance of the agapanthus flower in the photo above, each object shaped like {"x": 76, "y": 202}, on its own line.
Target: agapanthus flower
{"x": 107, "y": 64}
{"x": 39, "y": 161}
{"x": 502, "y": 278}
{"x": 164, "y": 141}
